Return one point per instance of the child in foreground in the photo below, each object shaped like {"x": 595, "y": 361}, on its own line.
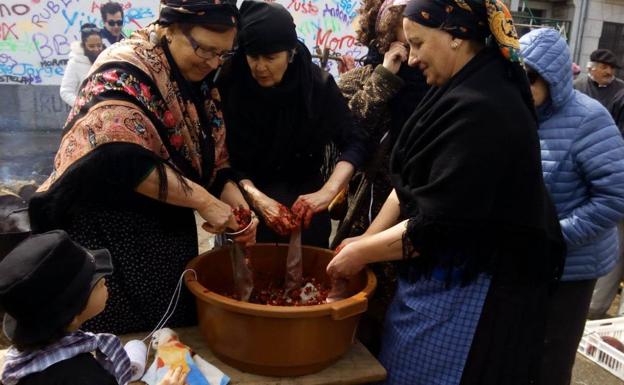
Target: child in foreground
{"x": 50, "y": 286}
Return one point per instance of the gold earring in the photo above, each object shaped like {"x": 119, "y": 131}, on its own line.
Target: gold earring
{"x": 454, "y": 44}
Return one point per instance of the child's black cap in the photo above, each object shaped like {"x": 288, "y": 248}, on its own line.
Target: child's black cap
{"x": 45, "y": 282}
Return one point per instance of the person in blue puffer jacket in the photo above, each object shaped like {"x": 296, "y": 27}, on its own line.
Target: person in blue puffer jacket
{"x": 583, "y": 166}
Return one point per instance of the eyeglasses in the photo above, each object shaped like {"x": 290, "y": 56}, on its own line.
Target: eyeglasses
{"x": 112, "y": 23}
{"x": 532, "y": 76}
{"x": 208, "y": 54}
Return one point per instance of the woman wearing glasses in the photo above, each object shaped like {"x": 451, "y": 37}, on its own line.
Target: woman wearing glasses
{"x": 583, "y": 165}
{"x": 142, "y": 148}
{"x": 282, "y": 113}
{"x": 83, "y": 54}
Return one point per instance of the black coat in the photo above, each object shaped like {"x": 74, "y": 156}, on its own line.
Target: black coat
{"x": 467, "y": 171}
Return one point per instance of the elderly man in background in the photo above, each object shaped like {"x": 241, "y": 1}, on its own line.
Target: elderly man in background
{"x": 601, "y": 84}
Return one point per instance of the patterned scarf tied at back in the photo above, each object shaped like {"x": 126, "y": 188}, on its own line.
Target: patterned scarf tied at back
{"x": 469, "y": 20}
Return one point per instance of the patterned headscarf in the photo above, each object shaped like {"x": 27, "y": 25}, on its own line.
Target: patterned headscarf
{"x": 198, "y": 12}
{"x": 470, "y": 20}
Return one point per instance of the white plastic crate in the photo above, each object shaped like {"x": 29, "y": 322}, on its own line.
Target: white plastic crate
{"x": 593, "y": 347}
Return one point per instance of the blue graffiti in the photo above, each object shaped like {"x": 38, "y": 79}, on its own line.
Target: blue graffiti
{"x": 27, "y": 70}
{"x": 337, "y": 13}
{"x": 348, "y": 7}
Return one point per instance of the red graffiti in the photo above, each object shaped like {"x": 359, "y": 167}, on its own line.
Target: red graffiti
{"x": 133, "y": 21}
{"x": 6, "y": 29}
{"x": 95, "y": 6}
{"x": 303, "y": 7}
{"x": 326, "y": 39}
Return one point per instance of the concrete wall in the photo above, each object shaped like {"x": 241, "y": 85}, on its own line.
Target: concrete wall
{"x": 564, "y": 11}
{"x": 24, "y": 107}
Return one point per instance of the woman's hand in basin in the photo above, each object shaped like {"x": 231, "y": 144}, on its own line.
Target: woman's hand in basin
{"x": 386, "y": 245}
{"x": 248, "y": 237}
{"x": 277, "y": 216}
{"x": 347, "y": 241}
{"x": 347, "y": 262}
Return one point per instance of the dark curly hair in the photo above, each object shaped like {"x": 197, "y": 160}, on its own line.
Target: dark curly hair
{"x": 111, "y": 8}
{"x": 367, "y": 34}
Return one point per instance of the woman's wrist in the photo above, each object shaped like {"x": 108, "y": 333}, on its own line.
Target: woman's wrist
{"x": 233, "y": 195}
{"x": 252, "y": 193}
{"x": 205, "y": 201}
{"x": 360, "y": 250}
{"x": 331, "y": 189}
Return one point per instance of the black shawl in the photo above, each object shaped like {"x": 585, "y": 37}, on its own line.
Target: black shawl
{"x": 282, "y": 133}
{"x": 467, "y": 171}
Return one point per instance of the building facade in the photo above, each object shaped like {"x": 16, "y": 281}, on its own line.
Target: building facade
{"x": 586, "y": 24}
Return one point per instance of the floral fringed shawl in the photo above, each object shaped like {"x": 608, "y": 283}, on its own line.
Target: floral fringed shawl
{"x": 135, "y": 94}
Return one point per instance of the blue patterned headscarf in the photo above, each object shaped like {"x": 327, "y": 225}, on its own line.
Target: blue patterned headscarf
{"x": 470, "y": 20}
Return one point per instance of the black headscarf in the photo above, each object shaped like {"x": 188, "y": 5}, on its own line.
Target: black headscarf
{"x": 266, "y": 28}
{"x": 281, "y": 133}
{"x": 261, "y": 120}
{"x": 268, "y": 126}
{"x": 198, "y": 12}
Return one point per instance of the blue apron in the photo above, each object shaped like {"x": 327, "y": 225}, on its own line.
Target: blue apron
{"x": 429, "y": 329}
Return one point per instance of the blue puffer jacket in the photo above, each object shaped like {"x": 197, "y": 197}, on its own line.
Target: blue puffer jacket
{"x": 582, "y": 160}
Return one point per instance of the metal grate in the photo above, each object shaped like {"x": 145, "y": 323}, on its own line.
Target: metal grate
{"x": 525, "y": 23}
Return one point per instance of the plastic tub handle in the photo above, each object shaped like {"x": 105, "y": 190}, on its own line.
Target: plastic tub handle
{"x": 349, "y": 307}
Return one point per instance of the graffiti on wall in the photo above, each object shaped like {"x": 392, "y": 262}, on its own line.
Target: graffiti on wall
{"x": 35, "y": 35}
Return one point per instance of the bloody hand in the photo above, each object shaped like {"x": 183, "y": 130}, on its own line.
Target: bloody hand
{"x": 303, "y": 211}
{"x": 280, "y": 219}
{"x": 307, "y": 205}
{"x": 242, "y": 216}
{"x": 284, "y": 222}
{"x": 246, "y": 224}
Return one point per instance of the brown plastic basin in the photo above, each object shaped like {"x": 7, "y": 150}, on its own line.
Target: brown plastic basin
{"x": 274, "y": 340}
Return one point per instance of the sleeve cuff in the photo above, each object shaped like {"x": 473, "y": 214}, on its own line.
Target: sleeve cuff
{"x": 223, "y": 176}
{"x": 394, "y": 82}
